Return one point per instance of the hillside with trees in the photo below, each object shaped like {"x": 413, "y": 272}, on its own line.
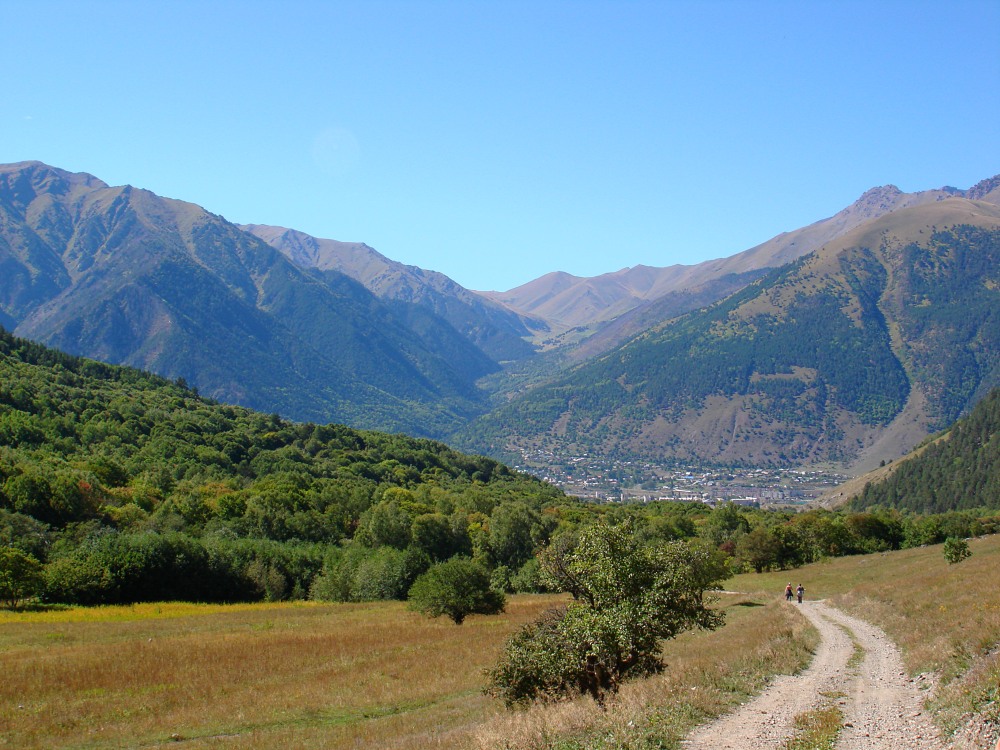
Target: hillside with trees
{"x": 812, "y": 363}
{"x": 131, "y": 487}
{"x": 120, "y": 486}
{"x": 958, "y": 471}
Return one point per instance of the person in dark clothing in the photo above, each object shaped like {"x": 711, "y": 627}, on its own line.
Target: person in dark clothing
{"x": 800, "y": 591}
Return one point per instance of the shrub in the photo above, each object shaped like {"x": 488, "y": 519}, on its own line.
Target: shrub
{"x": 628, "y": 598}
{"x": 387, "y": 573}
{"x": 20, "y": 576}
{"x": 956, "y": 550}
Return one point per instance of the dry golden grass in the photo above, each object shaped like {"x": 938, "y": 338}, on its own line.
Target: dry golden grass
{"x": 338, "y": 676}
{"x": 262, "y": 676}
{"x": 378, "y": 675}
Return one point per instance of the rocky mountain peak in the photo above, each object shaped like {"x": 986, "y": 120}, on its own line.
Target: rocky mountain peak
{"x": 27, "y": 179}
{"x": 988, "y": 190}
{"x": 877, "y": 201}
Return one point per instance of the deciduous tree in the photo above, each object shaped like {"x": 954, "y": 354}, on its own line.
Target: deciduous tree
{"x": 20, "y": 576}
{"x": 457, "y": 588}
{"x": 629, "y": 597}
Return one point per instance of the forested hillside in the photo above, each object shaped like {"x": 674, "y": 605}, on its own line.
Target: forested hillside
{"x": 120, "y": 486}
{"x": 134, "y": 488}
{"x": 957, "y": 472}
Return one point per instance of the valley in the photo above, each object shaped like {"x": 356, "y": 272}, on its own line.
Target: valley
{"x": 806, "y": 351}
{"x": 602, "y": 479}
{"x": 217, "y": 537}
{"x": 423, "y": 375}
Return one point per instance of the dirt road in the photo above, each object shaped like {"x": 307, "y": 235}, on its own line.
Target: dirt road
{"x": 881, "y": 706}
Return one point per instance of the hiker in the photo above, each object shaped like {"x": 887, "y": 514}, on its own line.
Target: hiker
{"x": 788, "y": 592}
{"x": 800, "y": 591}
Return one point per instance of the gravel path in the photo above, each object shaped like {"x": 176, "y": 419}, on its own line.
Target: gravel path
{"x": 882, "y": 707}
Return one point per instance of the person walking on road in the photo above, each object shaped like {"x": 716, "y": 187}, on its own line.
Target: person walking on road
{"x": 800, "y": 591}
{"x": 788, "y": 592}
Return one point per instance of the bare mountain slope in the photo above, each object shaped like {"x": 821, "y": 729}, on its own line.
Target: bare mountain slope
{"x": 124, "y": 275}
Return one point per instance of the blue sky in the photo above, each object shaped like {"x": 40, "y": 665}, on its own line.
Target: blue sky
{"x": 498, "y": 141}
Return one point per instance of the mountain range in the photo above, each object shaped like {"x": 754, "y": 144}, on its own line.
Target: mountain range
{"x": 844, "y": 341}
{"x": 851, "y": 354}
{"x": 123, "y": 275}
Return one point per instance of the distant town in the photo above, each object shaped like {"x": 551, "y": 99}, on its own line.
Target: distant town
{"x": 609, "y": 480}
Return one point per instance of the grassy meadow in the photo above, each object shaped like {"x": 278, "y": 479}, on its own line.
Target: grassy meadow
{"x": 303, "y": 675}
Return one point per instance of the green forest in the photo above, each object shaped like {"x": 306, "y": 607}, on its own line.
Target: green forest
{"x": 958, "y": 471}
{"x": 119, "y": 486}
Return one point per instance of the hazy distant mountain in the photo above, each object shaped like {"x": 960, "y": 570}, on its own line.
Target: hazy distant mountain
{"x": 498, "y": 331}
{"x": 848, "y": 354}
{"x": 123, "y": 275}
{"x": 566, "y": 302}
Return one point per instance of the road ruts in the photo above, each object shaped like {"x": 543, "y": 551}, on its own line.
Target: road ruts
{"x": 881, "y": 705}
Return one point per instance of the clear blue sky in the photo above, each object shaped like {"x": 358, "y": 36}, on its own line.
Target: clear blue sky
{"x": 498, "y": 141}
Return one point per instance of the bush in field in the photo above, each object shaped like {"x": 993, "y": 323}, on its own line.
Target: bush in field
{"x": 956, "y": 550}
{"x": 457, "y": 587}
{"x": 628, "y": 597}
{"x": 20, "y": 576}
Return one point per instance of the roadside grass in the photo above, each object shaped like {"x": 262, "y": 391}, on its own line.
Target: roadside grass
{"x": 944, "y": 618}
{"x": 707, "y": 674}
{"x": 817, "y": 729}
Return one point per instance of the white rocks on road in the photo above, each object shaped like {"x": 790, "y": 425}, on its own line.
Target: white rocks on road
{"x": 882, "y": 707}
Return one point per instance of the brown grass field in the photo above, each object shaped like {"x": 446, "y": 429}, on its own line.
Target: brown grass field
{"x": 379, "y": 676}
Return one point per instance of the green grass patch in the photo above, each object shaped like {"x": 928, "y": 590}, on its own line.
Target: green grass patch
{"x": 817, "y": 729}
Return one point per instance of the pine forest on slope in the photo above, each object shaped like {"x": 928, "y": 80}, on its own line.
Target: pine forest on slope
{"x": 958, "y": 471}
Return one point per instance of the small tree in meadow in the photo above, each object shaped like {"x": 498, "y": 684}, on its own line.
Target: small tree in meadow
{"x": 956, "y": 550}
{"x": 457, "y": 588}
{"x": 628, "y": 598}
{"x": 20, "y": 576}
